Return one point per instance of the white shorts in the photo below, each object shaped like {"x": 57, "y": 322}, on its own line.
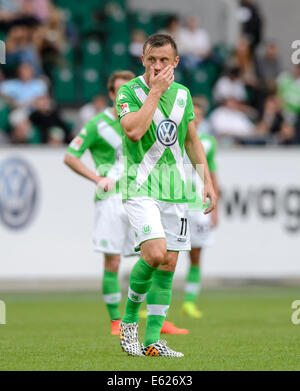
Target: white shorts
{"x": 113, "y": 233}
{"x": 200, "y": 227}
{"x": 152, "y": 219}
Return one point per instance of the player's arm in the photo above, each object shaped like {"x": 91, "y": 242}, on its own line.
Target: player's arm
{"x": 136, "y": 124}
{"x": 80, "y": 168}
{"x": 83, "y": 141}
{"x": 196, "y": 154}
{"x": 217, "y": 192}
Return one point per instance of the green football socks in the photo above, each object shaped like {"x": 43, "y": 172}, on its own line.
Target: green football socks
{"x": 158, "y": 302}
{"x": 192, "y": 286}
{"x": 112, "y": 294}
{"x": 139, "y": 284}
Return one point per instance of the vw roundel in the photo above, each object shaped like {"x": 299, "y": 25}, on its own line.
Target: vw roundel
{"x": 166, "y": 132}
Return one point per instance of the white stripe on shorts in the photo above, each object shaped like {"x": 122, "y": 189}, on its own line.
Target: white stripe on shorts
{"x": 157, "y": 309}
{"x": 112, "y": 298}
{"x": 136, "y": 297}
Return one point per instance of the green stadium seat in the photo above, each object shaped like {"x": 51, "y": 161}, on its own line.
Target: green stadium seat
{"x": 64, "y": 87}
{"x": 91, "y": 83}
{"x": 92, "y": 53}
{"x": 4, "y": 113}
{"x": 141, "y": 21}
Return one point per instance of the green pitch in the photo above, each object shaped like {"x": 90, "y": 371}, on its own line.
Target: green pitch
{"x": 242, "y": 329}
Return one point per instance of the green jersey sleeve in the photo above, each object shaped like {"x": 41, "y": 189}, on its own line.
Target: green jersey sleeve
{"x": 126, "y": 102}
{"x": 84, "y": 140}
{"x": 189, "y": 107}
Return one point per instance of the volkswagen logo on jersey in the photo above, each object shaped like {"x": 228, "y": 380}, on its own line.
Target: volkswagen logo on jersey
{"x": 18, "y": 192}
{"x": 167, "y": 132}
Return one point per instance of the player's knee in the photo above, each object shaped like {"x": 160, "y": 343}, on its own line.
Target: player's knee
{"x": 156, "y": 257}
{"x": 112, "y": 263}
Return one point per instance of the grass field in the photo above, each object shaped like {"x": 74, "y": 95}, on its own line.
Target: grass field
{"x": 242, "y": 329}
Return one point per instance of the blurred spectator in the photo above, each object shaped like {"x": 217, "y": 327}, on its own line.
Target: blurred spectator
{"x": 136, "y": 50}
{"x": 268, "y": 66}
{"x": 201, "y": 106}
{"x": 25, "y": 89}
{"x": 19, "y": 49}
{"x": 56, "y": 136}
{"x": 47, "y": 118}
{"x": 22, "y": 131}
{"x": 230, "y": 86}
{"x": 193, "y": 44}
{"x": 251, "y": 22}
{"x": 50, "y": 39}
{"x": 272, "y": 124}
{"x": 289, "y": 92}
{"x": 245, "y": 60}
{"x": 37, "y": 8}
{"x": 137, "y": 42}
{"x": 229, "y": 121}
{"x": 172, "y": 27}
{"x": 89, "y": 110}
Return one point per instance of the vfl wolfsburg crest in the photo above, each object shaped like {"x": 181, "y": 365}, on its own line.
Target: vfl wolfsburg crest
{"x": 166, "y": 132}
{"x": 147, "y": 229}
{"x": 180, "y": 102}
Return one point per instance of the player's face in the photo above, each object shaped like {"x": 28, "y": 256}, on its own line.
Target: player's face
{"x": 117, "y": 86}
{"x": 159, "y": 58}
{"x": 198, "y": 115}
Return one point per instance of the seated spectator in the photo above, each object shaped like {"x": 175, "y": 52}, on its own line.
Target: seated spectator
{"x": 194, "y": 44}
{"x": 89, "y": 110}
{"x": 56, "y": 137}
{"x": 22, "y": 131}
{"x": 289, "y": 92}
{"x": 251, "y": 22}
{"x": 268, "y": 66}
{"x": 201, "y": 105}
{"x": 50, "y": 39}
{"x": 23, "y": 90}
{"x": 19, "y": 49}
{"x": 230, "y": 86}
{"x": 172, "y": 27}
{"x": 47, "y": 117}
{"x": 272, "y": 124}
{"x": 245, "y": 61}
{"x": 136, "y": 50}
{"x": 228, "y": 121}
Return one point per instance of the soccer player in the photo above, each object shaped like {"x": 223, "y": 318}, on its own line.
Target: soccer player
{"x": 156, "y": 115}
{"x": 200, "y": 224}
{"x": 113, "y": 234}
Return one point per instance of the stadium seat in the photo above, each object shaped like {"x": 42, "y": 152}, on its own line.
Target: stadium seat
{"x": 91, "y": 83}
{"x": 91, "y": 53}
{"x": 141, "y": 21}
{"x": 64, "y": 87}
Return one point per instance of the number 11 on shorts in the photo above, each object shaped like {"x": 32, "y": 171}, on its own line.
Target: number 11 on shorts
{"x": 183, "y": 226}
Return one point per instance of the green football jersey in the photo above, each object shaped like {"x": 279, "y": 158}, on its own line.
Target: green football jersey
{"x": 209, "y": 146}
{"x": 289, "y": 91}
{"x": 102, "y": 137}
{"x": 154, "y": 165}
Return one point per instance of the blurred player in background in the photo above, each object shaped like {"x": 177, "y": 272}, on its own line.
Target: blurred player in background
{"x": 156, "y": 115}
{"x": 113, "y": 234}
{"x": 200, "y": 224}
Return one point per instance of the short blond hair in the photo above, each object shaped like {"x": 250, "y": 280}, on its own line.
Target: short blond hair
{"x": 124, "y": 75}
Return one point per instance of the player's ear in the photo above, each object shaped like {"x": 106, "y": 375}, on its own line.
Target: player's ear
{"x": 112, "y": 96}
{"x": 176, "y": 62}
{"x": 142, "y": 58}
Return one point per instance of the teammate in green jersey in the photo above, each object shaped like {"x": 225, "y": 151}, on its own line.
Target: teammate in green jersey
{"x": 200, "y": 224}
{"x": 113, "y": 234}
{"x": 156, "y": 115}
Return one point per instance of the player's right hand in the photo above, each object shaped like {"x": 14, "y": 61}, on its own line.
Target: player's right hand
{"x": 162, "y": 81}
{"x": 106, "y": 184}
